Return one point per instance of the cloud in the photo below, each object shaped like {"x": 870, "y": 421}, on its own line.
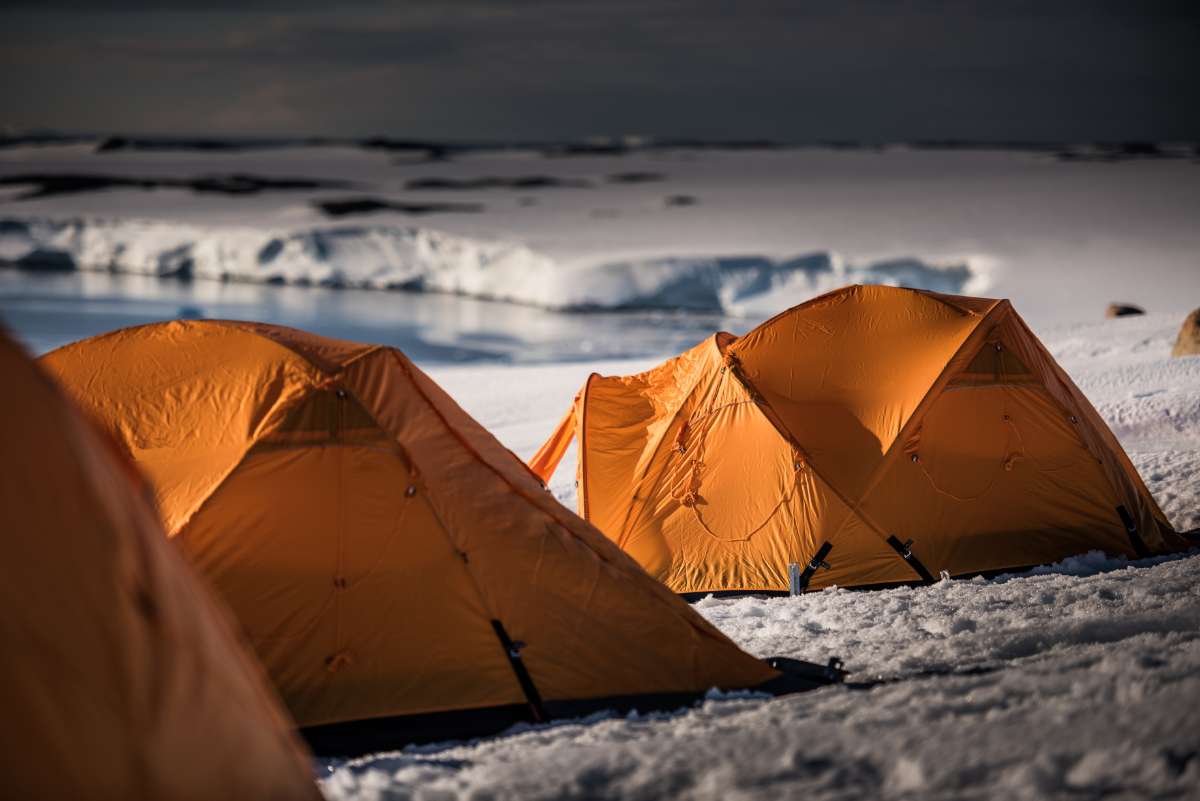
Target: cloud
{"x": 864, "y": 69}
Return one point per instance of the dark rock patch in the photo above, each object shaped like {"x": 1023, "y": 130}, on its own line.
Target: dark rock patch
{"x": 1109, "y": 152}
{"x": 714, "y": 144}
{"x": 47, "y": 138}
{"x": 561, "y": 149}
{"x": 52, "y": 184}
{"x": 678, "y": 201}
{"x": 1188, "y": 341}
{"x": 429, "y": 150}
{"x": 45, "y": 260}
{"x": 168, "y": 144}
{"x": 344, "y": 207}
{"x": 635, "y": 177}
{"x": 981, "y": 144}
{"x": 495, "y": 182}
{"x": 1123, "y": 310}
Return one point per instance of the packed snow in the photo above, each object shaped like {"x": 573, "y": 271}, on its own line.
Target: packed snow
{"x": 1077, "y": 680}
{"x": 1072, "y": 683}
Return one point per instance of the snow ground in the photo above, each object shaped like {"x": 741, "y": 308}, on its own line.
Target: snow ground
{"x": 1095, "y": 695}
{"x": 1080, "y": 680}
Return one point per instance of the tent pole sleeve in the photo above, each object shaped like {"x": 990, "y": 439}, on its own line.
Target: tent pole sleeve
{"x": 545, "y": 461}
{"x": 1135, "y": 539}
{"x": 513, "y": 651}
{"x": 905, "y": 551}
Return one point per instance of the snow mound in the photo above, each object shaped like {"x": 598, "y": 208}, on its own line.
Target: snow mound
{"x": 424, "y": 259}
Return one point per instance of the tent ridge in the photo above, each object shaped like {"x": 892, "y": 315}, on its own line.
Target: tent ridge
{"x": 944, "y": 299}
{"x": 254, "y": 329}
{"x": 824, "y": 298}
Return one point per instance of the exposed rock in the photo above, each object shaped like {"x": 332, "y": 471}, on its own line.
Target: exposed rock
{"x": 681, "y": 200}
{"x": 495, "y": 182}
{"x": 1128, "y": 151}
{"x": 342, "y": 207}
{"x": 1123, "y": 310}
{"x": 635, "y": 177}
{"x": 51, "y": 184}
{"x": 1188, "y": 342}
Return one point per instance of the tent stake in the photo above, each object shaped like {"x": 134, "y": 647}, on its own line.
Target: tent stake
{"x": 798, "y": 580}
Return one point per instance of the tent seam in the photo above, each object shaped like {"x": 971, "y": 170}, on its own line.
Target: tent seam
{"x": 918, "y": 413}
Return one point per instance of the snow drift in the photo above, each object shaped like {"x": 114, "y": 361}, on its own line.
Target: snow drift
{"x": 425, "y": 259}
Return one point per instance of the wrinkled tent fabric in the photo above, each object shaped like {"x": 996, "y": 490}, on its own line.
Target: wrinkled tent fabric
{"x": 865, "y": 418}
{"x": 370, "y": 535}
{"x": 120, "y": 677}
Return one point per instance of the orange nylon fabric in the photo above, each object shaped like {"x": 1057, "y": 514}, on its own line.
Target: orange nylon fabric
{"x": 867, "y": 413}
{"x": 366, "y": 531}
{"x": 551, "y": 453}
{"x": 120, "y": 677}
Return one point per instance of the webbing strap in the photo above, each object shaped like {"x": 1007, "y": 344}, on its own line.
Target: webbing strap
{"x": 513, "y": 651}
{"x": 1135, "y": 539}
{"x": 799, "y": 583}
{"x": 905, "y": 551}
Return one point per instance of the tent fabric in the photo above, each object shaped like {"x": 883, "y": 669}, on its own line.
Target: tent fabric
{"x": 121, "y": 677}
{"x": 865, "y": 418}
{"x": 367, "y": 532}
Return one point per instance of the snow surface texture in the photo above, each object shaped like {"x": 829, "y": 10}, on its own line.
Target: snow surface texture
{"x": 1096, "y": 696}
{"x": 1080, "y": 680}
{"x": 418, "y": 258}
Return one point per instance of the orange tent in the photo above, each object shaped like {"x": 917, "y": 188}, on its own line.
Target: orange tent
{"x": 120, "y": 678}
{"x": 385, "y": 555}
{"x": 888, "y": 434}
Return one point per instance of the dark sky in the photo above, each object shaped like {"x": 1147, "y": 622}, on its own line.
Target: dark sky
{"x": 841, "y": 69}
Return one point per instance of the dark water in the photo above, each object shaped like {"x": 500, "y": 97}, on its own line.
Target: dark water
{"x": 47, "y": 310}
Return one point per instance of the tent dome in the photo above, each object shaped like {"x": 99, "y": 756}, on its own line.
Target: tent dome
{"x": 385, "y": 555}
{"x": 121, "y": 677}
{"x": 890, "y": 434}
